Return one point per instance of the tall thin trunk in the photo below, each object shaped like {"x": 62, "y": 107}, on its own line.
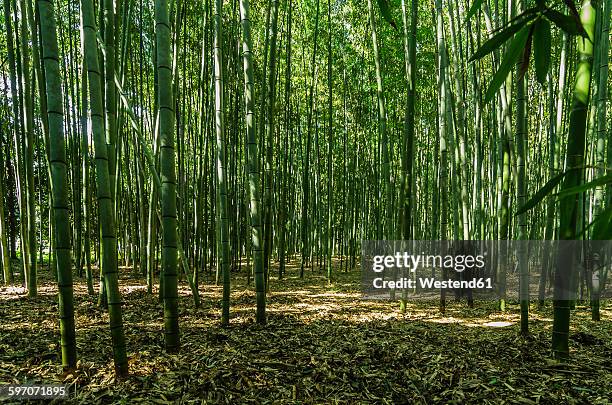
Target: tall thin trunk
{"x": 221, "y": 189}
{"x": 4, "y": 251}
{"x": 269, "y": 135}
{"x": 59, "y": 178}
{"x": 407, "y": 202}
{"x": 85, "y": 167}
{"x": 442, "y": 132}
{"x": 253, "y": 166}
{"x": 521, "y": 182}
{"x": 306, "y": 157}
{"x": 17, "y": 130}
{"x": 170, "y": 241}
{"x": 103, "y": 190}
{"x": 109, "y": 94}
{"x": 282, "y": 218}
{"x": 28, "y": 121}
{"x": 602, "y": 98}
{"x": 330, "y": 142}
{"x": 382, "y": 128}
{"x": 570, "y": 205}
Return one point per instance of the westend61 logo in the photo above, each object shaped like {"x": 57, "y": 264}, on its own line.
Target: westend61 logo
{"x": 421, "y": 269}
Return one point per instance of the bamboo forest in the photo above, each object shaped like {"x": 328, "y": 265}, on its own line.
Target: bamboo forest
{"x": 305, "y": 201}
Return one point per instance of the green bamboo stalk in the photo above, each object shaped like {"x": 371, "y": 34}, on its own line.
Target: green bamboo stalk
{"x": 304, "y": 226}
{"x": 252, "y": 158}
{"x": 28, "y": 121}
{"x": 330, "y": 142}
{"x": 407, "y": 190}
{"x": 602, "y": 97}
{"x": 168, "y": 177}
{"x": 569, "y": 205}
{"x": 442, "y": 132}
{"x": 521, "y": 182}
{"x": 382, "y": 128}
{"x": 269, "y": 135}
{"x": 108, "y": 257}
{"x": 221, "y": 190}
{"x": 59, "y": 178}
{"x": 4, "y": 231}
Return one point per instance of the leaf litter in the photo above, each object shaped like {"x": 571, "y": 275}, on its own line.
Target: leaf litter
{"x": 322, "y": 344}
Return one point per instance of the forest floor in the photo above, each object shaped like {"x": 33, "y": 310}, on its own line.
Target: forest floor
{"x": 322, "y": 344}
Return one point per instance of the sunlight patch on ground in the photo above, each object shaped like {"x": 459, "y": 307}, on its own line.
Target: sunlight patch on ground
{"x": 604, "y": 313}
{"x": 335, "y": 295}
{"x": 447, "y": 320}
{"x": 132, "y": 288}
{"x": 314, "y": 307}
{"x": 536, "y": 317}
{"x": 498, "y": 324}
{"x": 294, "y": 293}
{"x": 184, "y": 291}
{"x": 12, "y": 290}
{"x": 16, "y": 292}
{"x": 371, "y": 316}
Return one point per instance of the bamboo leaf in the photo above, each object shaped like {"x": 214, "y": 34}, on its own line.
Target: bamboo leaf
{"x": 526, "y": 15}
{"x": 566, "y": 23}
{"x": 541, "y": 49}
{"x": 572, "y": 7}
{"x": 385, "y": 10}
{"x": 542, "y": 193}
{"x": 495, "y": 41}
{"x": 602, "y": 225}
{"x": 574, "y": 13}
{"x": 473, "y": 9}
{"x": 512, "y": 54}
{"x": 502, "y": 36}
{"x": 526, "y": 55}
{"x": 586, "y": 186}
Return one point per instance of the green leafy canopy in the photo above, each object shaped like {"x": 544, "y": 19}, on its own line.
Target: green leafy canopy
{"x": 532, "y": 26}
